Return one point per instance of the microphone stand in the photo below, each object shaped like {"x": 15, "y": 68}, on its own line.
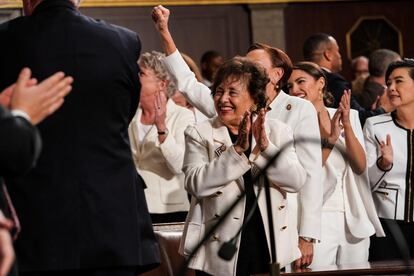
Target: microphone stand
{"x": 274, "y": 266}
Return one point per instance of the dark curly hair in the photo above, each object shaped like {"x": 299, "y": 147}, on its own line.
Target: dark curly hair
{"x": 253, "y": 76}
{"x": 279, "y": 59}
{"x": 316, "y": 72}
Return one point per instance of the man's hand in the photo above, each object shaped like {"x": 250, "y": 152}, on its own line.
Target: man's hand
{"x": 6, "y": 246}
{"x": 40, "y": 100}
{"x": 306, "y": 248}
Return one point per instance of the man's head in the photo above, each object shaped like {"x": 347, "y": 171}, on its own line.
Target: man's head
{"x": 323, "y": 50}
{"x": 30, "y": 5}
{"x": 379, "y": 61}
{"x": 359, "y": 66}
{"x": 210, "y": 63}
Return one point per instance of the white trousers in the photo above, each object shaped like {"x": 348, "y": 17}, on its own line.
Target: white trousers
{"x": 338, "y": 246}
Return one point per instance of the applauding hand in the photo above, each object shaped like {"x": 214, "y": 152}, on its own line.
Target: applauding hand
{"x": 242, "y": 142}
{"x": 259, "y": 131}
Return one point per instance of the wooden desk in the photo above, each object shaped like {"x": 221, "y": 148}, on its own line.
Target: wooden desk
{"x": 374, "y": 268}
{"x": 169, "y": 235}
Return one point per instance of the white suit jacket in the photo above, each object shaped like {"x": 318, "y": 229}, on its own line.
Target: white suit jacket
{"x": 300, "y": 116}
{"x": 390, "y": 188}
{"x": 360, "y": 213}
{"x": 160, "y": 164}
{"x": 214, "y": 177}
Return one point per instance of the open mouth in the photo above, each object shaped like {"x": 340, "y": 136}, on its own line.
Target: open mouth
{"x": 226, "y": 108}
{"x": 300, "y": 95}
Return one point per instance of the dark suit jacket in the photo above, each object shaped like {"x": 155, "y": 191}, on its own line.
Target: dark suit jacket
{"x": 336, "y": 85}
{"x": 83, "y": 205}
{"x": 20, "y": 146}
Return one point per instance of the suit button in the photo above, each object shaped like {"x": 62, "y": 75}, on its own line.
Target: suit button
{"x": 216, "y": 237}
{"x": 281, "y": 207}
{"x": 283, "y": 228}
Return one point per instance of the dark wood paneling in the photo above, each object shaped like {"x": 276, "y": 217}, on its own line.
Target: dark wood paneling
{"x": 196, "y": 29}
{"x": 337, "y": 18}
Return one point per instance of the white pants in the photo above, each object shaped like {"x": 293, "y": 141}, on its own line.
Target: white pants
{"x": 338, "y": 246}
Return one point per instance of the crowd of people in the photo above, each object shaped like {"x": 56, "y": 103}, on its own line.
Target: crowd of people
{"x": 150, "y": 138}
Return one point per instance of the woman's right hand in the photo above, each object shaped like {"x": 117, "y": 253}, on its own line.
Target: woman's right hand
{"x": 387, "y": 156}
{"x": 160, "y": 16}
{"x": 242, "y": 142}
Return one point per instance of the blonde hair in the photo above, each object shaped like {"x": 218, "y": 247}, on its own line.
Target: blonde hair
{"x": 155, "y": 61}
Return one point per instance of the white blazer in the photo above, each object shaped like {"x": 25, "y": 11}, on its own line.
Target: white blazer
{"x": 360, "y": 213}
{"x": 390, "y": 188}
{"x": 300, "y": 116}
{"x": 214, "y": 177}
{"x": 160, "y": 164}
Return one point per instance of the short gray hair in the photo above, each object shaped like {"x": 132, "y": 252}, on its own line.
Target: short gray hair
{"x": 155, "y": 61}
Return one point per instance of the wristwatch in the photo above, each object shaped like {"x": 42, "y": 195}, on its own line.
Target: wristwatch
{"x": 164, "y": 132}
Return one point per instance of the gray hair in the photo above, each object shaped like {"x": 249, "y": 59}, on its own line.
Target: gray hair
{"x": 155, "y": 61}
{"x": 379, "y": 61}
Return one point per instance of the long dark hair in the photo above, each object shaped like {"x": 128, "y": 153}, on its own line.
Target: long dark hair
{"x": 316, "y": 72}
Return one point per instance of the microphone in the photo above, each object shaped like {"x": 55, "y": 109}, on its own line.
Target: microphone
{"x": 229, "y": 248}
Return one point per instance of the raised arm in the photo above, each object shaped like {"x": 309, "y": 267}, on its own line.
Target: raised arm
{"x": 196, "y": 93}
{"x": 354, "y": 149}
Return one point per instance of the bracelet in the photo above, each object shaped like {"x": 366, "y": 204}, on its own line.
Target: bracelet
{"x": 379, "y": 167}
{"x": 308, "y": 239}
{"x": 163, "y": 132}
{"x": 326, "y": 145}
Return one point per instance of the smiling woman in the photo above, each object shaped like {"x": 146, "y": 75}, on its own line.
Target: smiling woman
{"x": 390, "y": 151}
{"x": 348, "y": 213}
{"x": 157, "y": 141}
{"x": 221, "y": 156}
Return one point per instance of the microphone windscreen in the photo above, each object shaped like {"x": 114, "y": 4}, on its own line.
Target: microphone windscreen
{"x": 227, "y": 251}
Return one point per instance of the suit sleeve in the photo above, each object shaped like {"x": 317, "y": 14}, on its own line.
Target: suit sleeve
{"x": 337, "y": 85}
{"x": 372, "y": 151}
{"x": 204, "y": 177}
{"x": 173, "y": 147}
{"x": 308, "y": 148}
{"x": 20, "y": 144}
{"x": 286, "y": 171}
{"x": 194, "y": 91}
{"x": 364, "y": 114}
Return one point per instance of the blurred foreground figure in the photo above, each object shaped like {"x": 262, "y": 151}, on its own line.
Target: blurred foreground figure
{"x": 82, "y": 207}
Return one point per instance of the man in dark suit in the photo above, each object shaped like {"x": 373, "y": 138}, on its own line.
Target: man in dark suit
{"x": 82, "y": 208}
{"x": 21, "y": 106}
{"x": 323, "y": 50}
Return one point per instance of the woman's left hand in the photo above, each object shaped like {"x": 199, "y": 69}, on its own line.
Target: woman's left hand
{"x": 160, "y": 105}
{"x": 259, "y": 131}
{"x": 345, "y": 106}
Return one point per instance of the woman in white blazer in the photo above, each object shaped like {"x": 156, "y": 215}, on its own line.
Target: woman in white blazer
{"x": 222, "y": 155}
{"x": 298, "y": 114}
{"x": 390, "y": 153}
{"x": 349, "y": 217}
{"x": 157, "y": 141}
